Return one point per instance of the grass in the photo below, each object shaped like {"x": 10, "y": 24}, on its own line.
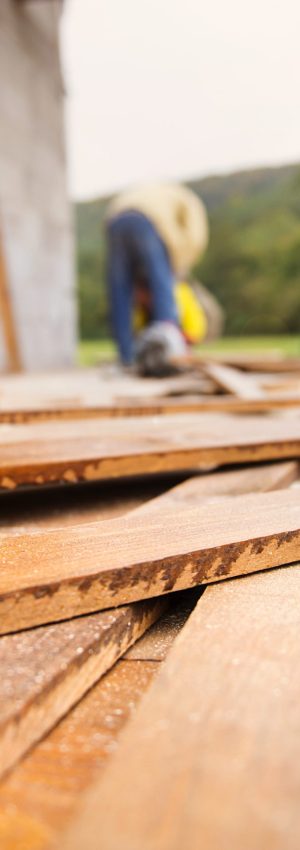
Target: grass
{"x": 91, "y": 352}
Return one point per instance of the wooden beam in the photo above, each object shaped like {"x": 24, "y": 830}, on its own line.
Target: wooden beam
{"x": 98, "y": 449}
{"x": 54, "y": 575}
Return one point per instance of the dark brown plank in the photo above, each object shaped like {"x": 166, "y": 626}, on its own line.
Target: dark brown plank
{"x": 212, "y": 756}
{"x": 96, "y": 449}
{"x": 47, "y": 576}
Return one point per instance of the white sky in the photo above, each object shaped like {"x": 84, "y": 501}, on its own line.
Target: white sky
{"x": 175, "y": 88}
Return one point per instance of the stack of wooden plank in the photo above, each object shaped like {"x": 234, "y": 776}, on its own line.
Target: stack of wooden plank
{"x": 149, "y": 609}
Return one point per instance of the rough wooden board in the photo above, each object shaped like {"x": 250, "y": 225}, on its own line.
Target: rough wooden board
{"x": 211, "y": 487}
{"x": 154, "y": 406}
{"x": 251, "y": 362}
{"x": 54, "y": 575}
{"x": 97, "y": 449}
{"x": 235, "y": 382}
{"x": 46, "y": 671}
{"x": 42, "y": 793}
{"x": 213, "y": 752}
{"x": 84, "y": 392}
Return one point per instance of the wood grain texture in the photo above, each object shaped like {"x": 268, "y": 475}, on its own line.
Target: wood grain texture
{"x": 42, "y": 793}
{"x": 54, "y": 575}
{"x": 234, "y": 381}
{"x": 260, "y": 478}
{"x": 92, "y": 449}
{"x": 212, "y": 756}
{"x": 46, "y": 671}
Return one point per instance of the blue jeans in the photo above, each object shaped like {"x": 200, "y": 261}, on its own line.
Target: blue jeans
{"x": 134, "y": 247}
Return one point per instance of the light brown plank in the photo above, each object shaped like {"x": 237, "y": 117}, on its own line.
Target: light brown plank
{"x": 46, "y": 671}
{"x": 213, "y": 486}
{"x": 212, "y": 756}
{"x": 42, "y": 793}
{"x": 97, "y": 449}
{"x": 232, "y": 381}
{"x": 47, "y": 576}
{"x": 153, "y": 406}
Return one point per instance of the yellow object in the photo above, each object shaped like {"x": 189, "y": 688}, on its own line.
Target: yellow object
{"x": 192, "y": 318}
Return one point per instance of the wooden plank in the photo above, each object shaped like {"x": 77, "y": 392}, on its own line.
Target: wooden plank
{"x": 42, "y": 793}
{"x": 38, "y": 798}
{"x": 213, "y": 752}
{"x": 212, "y": 487}
{"x": 7, "y": 319}
{"x": 54, "y": 575}
{"x": 46, "y": 671}
{"x": 270, "y": 362}
{"x": 100, "y": 449}
{"x": 232, "y": 381}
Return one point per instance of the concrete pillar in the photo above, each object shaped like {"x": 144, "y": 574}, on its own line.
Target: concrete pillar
{"x": 35, "y": 220}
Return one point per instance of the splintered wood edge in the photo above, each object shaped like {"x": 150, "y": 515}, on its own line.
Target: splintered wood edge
{"x": 71, "y": 597}
{"x": 96, "y": 469}
{"x": 38, "y": 717}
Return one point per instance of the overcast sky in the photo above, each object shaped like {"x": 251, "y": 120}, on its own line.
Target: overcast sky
{"x": 174, "y": 88}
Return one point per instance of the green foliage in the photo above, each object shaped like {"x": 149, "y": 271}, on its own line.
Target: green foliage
{"x": 252, "y": 263}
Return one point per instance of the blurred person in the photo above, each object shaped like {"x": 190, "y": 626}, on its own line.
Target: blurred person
{"x": 155, "y": 235}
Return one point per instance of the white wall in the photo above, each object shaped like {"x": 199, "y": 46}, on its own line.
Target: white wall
{"x": 34, "y": 210}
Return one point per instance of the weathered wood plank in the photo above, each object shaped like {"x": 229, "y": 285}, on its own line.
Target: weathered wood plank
{"x": 214, "y": 748}
{"x": 232, "y": 381}
{"x": 152, "y": 406}
{"x": 43, "y": 792}
{"x": 46, "y": 671}
{"x": 47, "y": 576}
{"x": 211, "y": 487}
{"x": 96, "y": 449}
